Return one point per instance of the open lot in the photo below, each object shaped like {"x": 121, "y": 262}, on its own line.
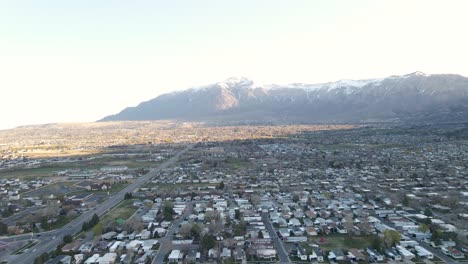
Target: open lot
{"x": 343, "y": 242}
{"x": 124, "y": 210}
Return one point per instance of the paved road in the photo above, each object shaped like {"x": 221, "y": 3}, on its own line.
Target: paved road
{"x": 282, "y": 253}
{"x": 47, "y": 242}
{"x": 166, "y": 246}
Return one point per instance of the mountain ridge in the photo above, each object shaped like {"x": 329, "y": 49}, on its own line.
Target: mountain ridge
{"x": 407, "y": 97}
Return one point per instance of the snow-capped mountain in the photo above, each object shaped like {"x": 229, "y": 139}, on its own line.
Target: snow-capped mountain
{"x": 437, "y": 97}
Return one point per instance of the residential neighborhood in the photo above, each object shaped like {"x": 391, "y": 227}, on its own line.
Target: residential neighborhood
{"x": 313, "y": 197}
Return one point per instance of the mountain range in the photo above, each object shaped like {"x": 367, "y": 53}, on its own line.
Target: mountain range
{"x": 415, "y": 97}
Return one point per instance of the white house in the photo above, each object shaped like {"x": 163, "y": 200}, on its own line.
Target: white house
{"x": 176, "y": 256}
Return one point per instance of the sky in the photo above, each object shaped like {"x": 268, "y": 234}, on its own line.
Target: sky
{"x": 78, "y": 61}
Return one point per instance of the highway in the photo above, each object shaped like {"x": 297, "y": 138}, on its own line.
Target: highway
{"x": 50, "y": 240}
{"x": 282, "y": 253}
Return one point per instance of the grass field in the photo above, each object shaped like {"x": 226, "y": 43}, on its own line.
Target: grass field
{"x": 344, "y": 242}
{"x": 99, "y": 162}
{"x": 234, "y": 163}
{"x": 122, "y": 211}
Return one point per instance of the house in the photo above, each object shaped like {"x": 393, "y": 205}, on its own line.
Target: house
{"x": 60, "y": 259}
{"x": 423, "y": 253}
{"x": 86, "y": 248}
{"x": 391, "y": 253}
{"x": 239, "y": 254}
{"x": 453, "y": 252}
{"x": 297, "y": 231}
{"x": 308, "y": 222}
{"x": 92, "y": 260}
{"x": 225, "y": 253}
{"x": 301, "y": 253}
{"x": 192, "y": 256}
{"x": 295, "y": 239}
{"x": 356, "y": 255}
{"x": 336, "y": 255}
{"x": 71, "y": 247}
{"x": 274, "y": 217}
{"x": 114, "y": 169}
{"x": 115, "y": 246}
{"x": 405, "y": 254}
{"x": 318, "y": 254}
{"x": 294, "y": 222}
{"x": 266, "y": 253}
{"x": 310, "y": 230}
{"x": 79, "y": 199}
{"x": 109, "y": 235}
{"x": 78, "y": 258}
{"x": 374, "y": 255}
{"x": 444, "y": 243}
{"x": 212, "y": 253}
{"x": 283, "y": 232}
{"x": 145, "y": 234}
{"x": 108, "y": 258}
{"x": 176, "y": 256}
{"x": 122, "y": 236}
{"x": 134, "y": 245}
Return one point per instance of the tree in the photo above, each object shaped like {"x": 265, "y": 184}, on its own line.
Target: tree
{"x": 349, "y": 223}
{"x": 3, "y": 228}
{"x": 91, "y": 223}
{"x": 85, "y": 226}
{"x": 133, "y": 224}
{"x": 128, "y": 196}
{"x": 255, "y": 199}
{"x": 377, "y": 243}
{"x": 237, "y": 214}
{"x": 423, "y": 228}
{"x": 391, "y": 237}
{"x": 208, "y": 242}
{"x": 436, "y": 235}
{"x": 195, "y": 231}
{"x": 239, "y": 229}
{"x": 98, "y": 229}
{"x": 67, "y": 239}
{"x": 295, "y": 198}
{"x": 427, "y": 212}
{"x": 94, "y": 220}
{"x": 405, "y": 200}
{"x": 168, "y": 212}
{"x": 260, "y": 234}
{"x": 185, "y": 230}
{"x": 221, "y": 186}
{"x": 215, "y": 227}
{"x": 42, "y": 258}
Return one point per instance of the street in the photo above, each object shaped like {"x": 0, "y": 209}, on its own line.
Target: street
{"x": 282, "y": 253}
{"x": 166, "y": 241}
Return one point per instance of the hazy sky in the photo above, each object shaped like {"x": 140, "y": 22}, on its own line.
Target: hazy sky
{"x": 68, "y": 61}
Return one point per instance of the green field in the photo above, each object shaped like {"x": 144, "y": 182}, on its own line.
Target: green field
{"x": 99, "y": 162}
{"x": 343, "y": 242}
{"x": 124, "y": 210}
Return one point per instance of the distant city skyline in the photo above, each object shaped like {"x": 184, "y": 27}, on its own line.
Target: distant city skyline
{"x": 78, "y": 61}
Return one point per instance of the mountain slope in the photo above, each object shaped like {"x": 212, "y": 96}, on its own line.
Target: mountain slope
{"x": 416, "y": 96}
